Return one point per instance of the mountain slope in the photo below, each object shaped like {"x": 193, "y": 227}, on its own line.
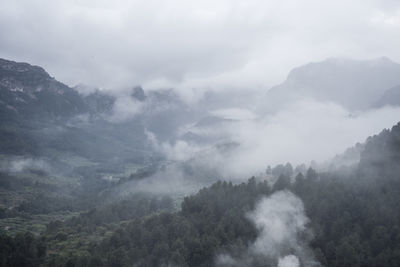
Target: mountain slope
{"x": 354, "y": 84}
{"x": 43, "y": 117}
{"x": 390, "y": 97}
{"x": 29, "y": 92}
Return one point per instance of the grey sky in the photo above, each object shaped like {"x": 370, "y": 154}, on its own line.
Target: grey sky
{"x": 193, "y": 44}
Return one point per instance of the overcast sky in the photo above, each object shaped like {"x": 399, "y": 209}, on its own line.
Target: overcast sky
{"x": 193, "y": 44}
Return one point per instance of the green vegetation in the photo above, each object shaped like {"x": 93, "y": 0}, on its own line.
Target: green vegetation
{"x": 354, "y": 217}
{"x": 69, "y": 209}
{"x": 22, "y": 250}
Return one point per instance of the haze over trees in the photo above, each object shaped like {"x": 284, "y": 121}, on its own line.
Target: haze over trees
{"x": 148, "y": 133}
{"x": 147, "y": 179}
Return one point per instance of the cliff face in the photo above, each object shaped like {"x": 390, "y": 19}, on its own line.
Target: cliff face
{"x": 28, "y": 92}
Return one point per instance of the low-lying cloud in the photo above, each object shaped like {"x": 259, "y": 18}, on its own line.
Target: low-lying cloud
{"x": 280, "y": 221}
{"x": 125, "y": 108}
{"x": 23, "y": 164}
{"x": 207, "y": 44}
{"x": 300, "y": 132}
{"x": 289, "y": 261}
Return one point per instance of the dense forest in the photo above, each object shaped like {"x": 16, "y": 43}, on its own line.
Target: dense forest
{"x": 175, "y": 133}
{"x": 353, "y": 221}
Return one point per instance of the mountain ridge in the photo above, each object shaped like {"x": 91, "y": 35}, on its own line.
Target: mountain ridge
{"x": 354, "y": 84}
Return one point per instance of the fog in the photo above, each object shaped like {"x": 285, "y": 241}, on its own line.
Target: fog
{"x": 192, "y": 46}
{"x": 125, "y": 107}
{"x": 221, "y": 58}
{"x": 282, "y": 236}
{"x": 20, "y": 164}
{"x": 301, "y": 132}
{"x": 192, "y": 132}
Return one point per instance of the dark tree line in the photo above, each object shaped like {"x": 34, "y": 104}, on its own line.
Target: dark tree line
{"x": 21, "y": 250}
{"x": 354, "y": 216}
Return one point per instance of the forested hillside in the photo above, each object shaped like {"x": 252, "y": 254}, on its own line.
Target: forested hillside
{"x": 81, "y": 187}
{"x": 354, "y": 220}
{"x": 150, "y": 133}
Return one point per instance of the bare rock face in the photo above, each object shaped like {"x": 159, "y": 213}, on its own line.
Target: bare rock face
{"x": 28, "y": 91}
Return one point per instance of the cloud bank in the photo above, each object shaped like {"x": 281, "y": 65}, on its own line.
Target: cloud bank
{"x": 280, "y": 220}
{"x": 186, "y": 45}
{"x": 300, "y": 132}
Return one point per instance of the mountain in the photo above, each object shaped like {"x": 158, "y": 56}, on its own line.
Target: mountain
{"x": 74, "y": 175}
{"x": 381, "y": 155}
{"x": 138, "y": 93}
{"x": 350, "y": 157}
{"x": 43, "y": 117}
{"x": 164, "y": 114}
{"x": 28, "y": 92}
{"x": 347, "y": 219}
{"x": 99, "y": 103}
{"x": 390, "y": 97}
{"x": 354, "y": 84}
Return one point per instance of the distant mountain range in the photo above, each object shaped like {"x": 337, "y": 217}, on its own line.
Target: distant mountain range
{"x": 353, "y": 84}
{"x": 390, "y": 97}
{"x": 44, "y": 117}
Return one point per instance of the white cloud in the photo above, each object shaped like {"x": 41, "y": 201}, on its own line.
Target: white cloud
{"x": 280, "y": 220}
{"x": 125, "y": 108}
{"x": 234, "y": 114}
{"x": 289, "y": 261}
{"x": 186, "y": 44}
{"x": 300, "y": 132}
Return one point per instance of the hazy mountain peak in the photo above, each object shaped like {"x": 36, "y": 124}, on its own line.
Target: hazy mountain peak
{"x": 17, "y": 76}
{"x": 29, "y": 91}
{"x": 12, "y": 66}
{"x": 354, "y": 84}
{"x": 341, "y": 66}
{"x": 390, "y": 97}
{"x": 138, "y": 93}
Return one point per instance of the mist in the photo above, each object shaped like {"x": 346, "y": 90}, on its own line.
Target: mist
{"x": 304, "y": 131}
{"x": 282, "y": 234}
{"x": 213, "y": 133}
{"x": 207, "y": 45}
{"x": 224, "y": 138}
{"x": 221, "y": 59}
{"x": 20, "y": 164}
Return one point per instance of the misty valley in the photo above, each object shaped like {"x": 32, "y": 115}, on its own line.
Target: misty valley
{"x": 305, "y": 173}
